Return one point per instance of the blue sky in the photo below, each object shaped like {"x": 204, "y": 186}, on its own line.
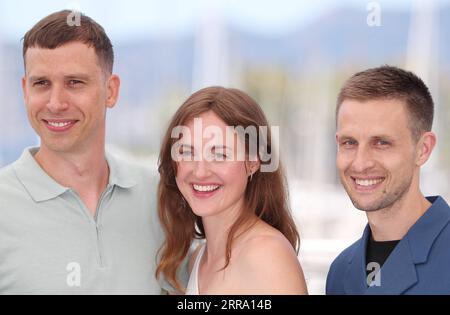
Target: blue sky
{"x": 125, "y": 18}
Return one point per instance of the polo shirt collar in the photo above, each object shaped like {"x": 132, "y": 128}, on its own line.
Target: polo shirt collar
{"x": 118, "y": 175}
{"x": 36, "y": 181}
{"x": 42, "y": 187}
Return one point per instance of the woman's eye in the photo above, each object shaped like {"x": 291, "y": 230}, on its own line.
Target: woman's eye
{"x": 219, "y": 156}
{"x": 186, "y": 153}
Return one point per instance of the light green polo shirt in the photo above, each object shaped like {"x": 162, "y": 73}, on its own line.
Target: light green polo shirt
{"x": 51, "y": 244}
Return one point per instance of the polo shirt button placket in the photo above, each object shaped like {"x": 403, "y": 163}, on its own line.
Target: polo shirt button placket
{"x": 101, "y": 258}
{"x": 99, "y": 228}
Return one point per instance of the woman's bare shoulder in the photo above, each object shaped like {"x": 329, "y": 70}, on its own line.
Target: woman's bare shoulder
{"x": 262, "y": 236}
{"x": 268, "y": 264}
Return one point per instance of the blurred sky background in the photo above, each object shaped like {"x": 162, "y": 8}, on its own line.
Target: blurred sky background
{"x": 292, "y": 56}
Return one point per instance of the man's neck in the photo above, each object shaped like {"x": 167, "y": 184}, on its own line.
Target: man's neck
{"x": 394, "y": 222}
{"x": 85, "y": 172}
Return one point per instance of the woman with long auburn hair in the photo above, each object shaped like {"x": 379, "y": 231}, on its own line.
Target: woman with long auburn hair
{"x": 217, "y": 186}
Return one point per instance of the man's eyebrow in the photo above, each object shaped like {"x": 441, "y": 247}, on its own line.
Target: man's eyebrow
{"x": 344, "y": 136}
{"x": 383, "y": 137}
{"x": 37, "y": 78}
{"x": 80, "y": 76}
{"x": 376, "y": 137}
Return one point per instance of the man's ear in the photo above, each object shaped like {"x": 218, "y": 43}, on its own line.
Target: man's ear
{"x": 113, "y": 91}
{"x": 24, "y": 88}
{"x": 425, "y": 147}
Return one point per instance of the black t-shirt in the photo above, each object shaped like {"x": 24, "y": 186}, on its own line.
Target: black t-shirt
{"x": 378, "y": 252}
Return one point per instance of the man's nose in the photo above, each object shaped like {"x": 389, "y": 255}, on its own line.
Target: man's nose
{"x": 57, "y": 100}
{"x": 363, "y": 160}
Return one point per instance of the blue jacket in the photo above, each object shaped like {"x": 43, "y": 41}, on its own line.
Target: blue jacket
{"x": 419, "y": 264}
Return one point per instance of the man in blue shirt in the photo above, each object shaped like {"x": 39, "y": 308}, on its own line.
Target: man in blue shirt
{"x": 384, "y": 119}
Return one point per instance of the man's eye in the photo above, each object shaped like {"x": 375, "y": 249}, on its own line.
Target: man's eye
{"x": 382, "y": 143}
{"x": 75, "y": 82}
{"x": 348, "y": 143}
{"x": 41, "y": 83}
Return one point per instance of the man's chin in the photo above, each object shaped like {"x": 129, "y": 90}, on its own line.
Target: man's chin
{"x": 366, "y": 206}
{"x": 58, "y": 147}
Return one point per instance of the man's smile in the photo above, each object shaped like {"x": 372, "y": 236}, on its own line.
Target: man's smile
{"x": 367, "y": 184}
{"x": 59, "y": 125}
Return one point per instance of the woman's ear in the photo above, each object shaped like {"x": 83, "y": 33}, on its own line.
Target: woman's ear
{"x": 252, "y": 167}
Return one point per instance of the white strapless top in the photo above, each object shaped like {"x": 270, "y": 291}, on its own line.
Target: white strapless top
{"x": 192, "y": 287}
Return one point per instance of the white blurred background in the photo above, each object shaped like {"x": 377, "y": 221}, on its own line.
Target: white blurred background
{"x": 292, "y": 56}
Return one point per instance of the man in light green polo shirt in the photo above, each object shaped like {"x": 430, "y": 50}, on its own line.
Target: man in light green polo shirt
{"x": 74, "y": 220}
